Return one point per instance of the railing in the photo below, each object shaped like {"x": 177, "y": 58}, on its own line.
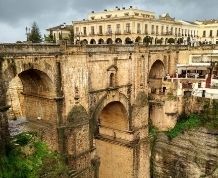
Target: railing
{"x": 116, "y": 134}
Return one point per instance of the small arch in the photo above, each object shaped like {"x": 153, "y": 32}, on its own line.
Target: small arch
{"x": 138, "y": 39}
{"x": 147, "y": 40}
{"x": 100, "y": 41}
{"x": 128, "y": 41}
{"x": 77, "y": 115}
{"x": 84, "y": 42}
{"x": 166, "y": 40}
{"x": 112, "y": 80}
{"x": 109, "y": 41}
{"x": 118, "y": 41}
{"x": 92, "y": 41}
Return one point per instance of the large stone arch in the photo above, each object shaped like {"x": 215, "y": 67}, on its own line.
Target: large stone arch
{"x": 113, "y": 134}
{"x": 114, "y": 115}
{"x": 104, "y": 101}
{"x": 157, "y": 70}
{"x": 30, "y": 93}
{"x": 155, "y": 76}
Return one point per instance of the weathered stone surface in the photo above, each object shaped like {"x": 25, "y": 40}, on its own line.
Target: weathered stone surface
{"x": 193, "y": 154}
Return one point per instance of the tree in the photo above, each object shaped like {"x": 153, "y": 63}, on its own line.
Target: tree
{"x": 171, "y": 40}
{"x": 49, "y": 38}
{"x": 180, "y": 41}
{"x": 159, "y": 41}
{"x": 147, "y": 40}
{"x": 35, "y": 35}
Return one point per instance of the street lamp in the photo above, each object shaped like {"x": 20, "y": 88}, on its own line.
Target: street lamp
{"x": 27, "y": 33}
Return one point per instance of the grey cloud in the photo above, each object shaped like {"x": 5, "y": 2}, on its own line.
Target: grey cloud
{"x": 17, "y": 14}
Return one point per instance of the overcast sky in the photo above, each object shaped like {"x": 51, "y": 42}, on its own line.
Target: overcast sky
{"x": 15, "y": 15}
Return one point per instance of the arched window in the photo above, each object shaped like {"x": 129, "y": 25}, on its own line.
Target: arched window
{"x": 112, "y": 80}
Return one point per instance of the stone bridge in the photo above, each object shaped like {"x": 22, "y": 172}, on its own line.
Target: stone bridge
{"x": 91, "y": 102}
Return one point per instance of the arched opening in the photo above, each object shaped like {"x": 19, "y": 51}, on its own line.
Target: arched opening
{"x": 157, "y": 70}
{"x": 113, "y": 125}
{"x": 92, "y": 41}
{"x": 147, "y": 40}
{"x": 109, "y": 41}
{"x": 84, "y": 42}
{"x": 128, "y": 41}
{"x": 31, "y": 95}
{"x": 156, "y": 74}
{"x": 114, "y": 116}
{"x": 138, "y": 39}
{"x": 118, "y": 41}
{"x": 166, "y": 40}
{"x": 100, "y": 41}
{"x": 112, "y": 80}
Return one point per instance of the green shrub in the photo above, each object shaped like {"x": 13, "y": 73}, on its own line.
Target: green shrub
{"x": 183, "y": 124}
{"x": 29, "y": 157}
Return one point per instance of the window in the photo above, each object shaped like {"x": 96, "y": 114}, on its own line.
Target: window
{"x": 84, "y": 30}
{"x": 167, "y": 30}
{"x": 92, "y": 30}
{"x": 108, "y": 16}
{"x": 138, "y": 28}
{"x": 152, "y": 29}
{"x": 162, "y": 30}
{"x": 112, "y": 80}
{"x": 171, "y": 32}
{"x": 128, "y": 28}
{"x": 217, "y": 33}
{"x": 100, "y": 30}
{"x": 211, "y": 33}
{"x": 204, "y": 33}
{"x": 146, "y": 28}
{"x": 118, "y": 29}
{"x": 175, "y": 31}
{"x": 109, "y": 30}
{"x": 157, "y": 29}
{"x": 77, "y": 30}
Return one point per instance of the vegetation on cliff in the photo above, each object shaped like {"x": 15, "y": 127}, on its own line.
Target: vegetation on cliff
{"x": 207, "y": 118}
{"x": 29, "y": 157}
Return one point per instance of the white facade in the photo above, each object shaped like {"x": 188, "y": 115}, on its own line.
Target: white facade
{"x": 132, "y": 25}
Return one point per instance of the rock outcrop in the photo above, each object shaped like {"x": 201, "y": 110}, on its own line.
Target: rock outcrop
{"x": 193, "y": 154}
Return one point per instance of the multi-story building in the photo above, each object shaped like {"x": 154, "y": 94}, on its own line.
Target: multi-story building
{"x": 61, "y": 32}
{"x": 133, "y": 25}
{"x": 208, "y": 31}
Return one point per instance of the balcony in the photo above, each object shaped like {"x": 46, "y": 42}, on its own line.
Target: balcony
{"x": 138, "y": 31}
{"x": 127, "y": 31}
{"x": 108, "y": 33}
{"x": 100, "y": 33}
{"x": 118, "y": 32}
{"x": 92, "y": 34}
{"x": 84, "y": 35}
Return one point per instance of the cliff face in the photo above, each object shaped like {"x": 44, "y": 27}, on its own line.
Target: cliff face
{"x": 193, "y": 154}
{"x": 4, "y": 134}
